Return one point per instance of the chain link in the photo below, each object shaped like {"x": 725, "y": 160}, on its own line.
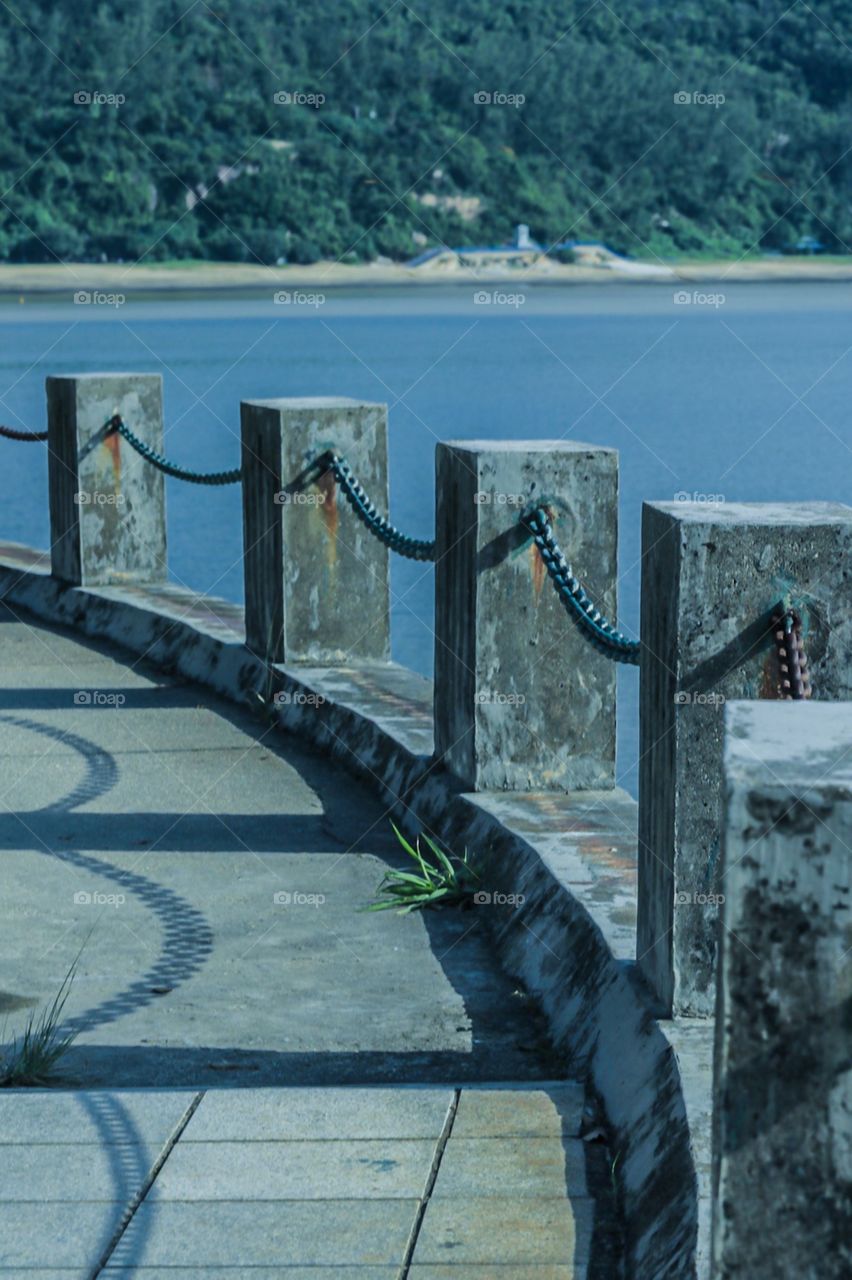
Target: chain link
{"x": 600, "y": 633}
{"x": 368, "y": 514}
{"x": 12, "y": 433}
{"x": 794, "y": 680}
{"x": 116, "y": 423}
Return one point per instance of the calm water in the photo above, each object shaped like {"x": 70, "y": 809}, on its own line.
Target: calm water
{"x": 748, "y": 399}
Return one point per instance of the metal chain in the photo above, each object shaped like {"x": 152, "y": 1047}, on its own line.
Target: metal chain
{"x": 12, "y": 433}
{"x": 594, "y": 626}
{"x": 157, "y": 460}
{"x": 794, "y": 680}
{"x": 368, "y": 514}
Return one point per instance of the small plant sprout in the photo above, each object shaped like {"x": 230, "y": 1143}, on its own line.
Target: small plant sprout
{"x": 32, "y": 1060}
{"x": 441, "y": 880}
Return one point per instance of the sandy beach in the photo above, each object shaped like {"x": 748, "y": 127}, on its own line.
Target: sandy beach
{"x": 59, "y": 279}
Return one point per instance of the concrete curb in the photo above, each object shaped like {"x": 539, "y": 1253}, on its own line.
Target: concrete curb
{"x": 572, "y": 858}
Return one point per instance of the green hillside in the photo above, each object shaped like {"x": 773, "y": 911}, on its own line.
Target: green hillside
{"x": 380, "y": 142}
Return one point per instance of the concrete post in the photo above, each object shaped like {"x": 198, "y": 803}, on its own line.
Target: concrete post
{"x": 711, "y": 576}
{"x": 316, "y": 580}
{"x": 107, "y": 504}
{"x": 782, "y": 1098}
{"x": 522, "y": 700}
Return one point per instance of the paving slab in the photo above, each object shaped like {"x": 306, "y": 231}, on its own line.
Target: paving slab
{"x": 506, "y": 1230}
{"x": 330, "y": 1170}
{"x": 64, "y": 1236}
{"x": 330, "y": 1233}
{"x": 81, "y": 1173}
{"x": 36, "y": 1117}
{"x": 536, "y": 1167}
{"x": 292, "y": 1114}
{"x": 246, "y": 1273}
{"x": 496, "y": 1271}
{"x": 555, "y": 1110}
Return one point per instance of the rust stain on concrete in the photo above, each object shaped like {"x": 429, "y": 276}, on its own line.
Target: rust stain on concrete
{"x": 537, "y": 569}
{"x": 769, "y": 678}
{"x": 112, "y": 443}
{"x": 327, "y": 486}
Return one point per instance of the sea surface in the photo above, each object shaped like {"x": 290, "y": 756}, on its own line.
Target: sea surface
{"x": 733, "y": 393}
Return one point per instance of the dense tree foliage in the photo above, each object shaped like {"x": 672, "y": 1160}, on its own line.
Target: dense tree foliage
{"x": 379, "y": 142}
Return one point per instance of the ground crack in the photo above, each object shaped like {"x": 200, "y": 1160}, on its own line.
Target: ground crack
{"x": 440, "y": 1148}
{"x": 130, "y": 1211}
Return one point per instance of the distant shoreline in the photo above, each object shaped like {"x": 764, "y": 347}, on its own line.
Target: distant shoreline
{"x": 56, "y": 280}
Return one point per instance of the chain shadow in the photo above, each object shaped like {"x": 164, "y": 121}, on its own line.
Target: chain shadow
{"x": 187, "y": 939}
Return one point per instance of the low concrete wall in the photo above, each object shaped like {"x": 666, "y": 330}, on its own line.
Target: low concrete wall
{"x": 571, "y": 856}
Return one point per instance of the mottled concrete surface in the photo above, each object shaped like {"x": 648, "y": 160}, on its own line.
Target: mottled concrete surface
{"x": 509, "y": 662}
{"x": 782, "y": 1151}
{"x": 338, "y": 610}
{"x": 107, "y": 504}
{"x": 566, "y": 939}
{"x": 711, "y": 576}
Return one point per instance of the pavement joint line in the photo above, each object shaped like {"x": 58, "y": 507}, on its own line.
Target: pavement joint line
{"x": 130, "y": 1211}
{"x": 440, "y": 1148}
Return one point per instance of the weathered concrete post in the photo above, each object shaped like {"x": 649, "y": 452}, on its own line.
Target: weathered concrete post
{"x": 711, "y": 576}
{"x": 522, "y": 700}
{"x": 316, "y": 580}
{"x": 782, "y": 1098}
{"x": 107, "y": 504}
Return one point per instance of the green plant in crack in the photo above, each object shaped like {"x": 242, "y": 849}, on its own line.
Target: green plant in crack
{"x": 439, "y": 880}
{"x": 32, "y": 1060}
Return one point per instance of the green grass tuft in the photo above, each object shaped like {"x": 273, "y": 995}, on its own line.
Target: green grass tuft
{"x": 32, "y": 1061}
{"x": 441, "y": 880}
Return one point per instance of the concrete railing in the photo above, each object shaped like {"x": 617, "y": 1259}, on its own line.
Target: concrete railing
{"x": 521, "y": 700}
{"x": 711, "y": 577}
{"x": 782, "y": 1140}
{"x": 522, "y": 704}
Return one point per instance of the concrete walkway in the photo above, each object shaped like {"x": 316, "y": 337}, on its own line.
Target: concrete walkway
{"x": 207, "y": 876}
{"x": 370, "y": 1184}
